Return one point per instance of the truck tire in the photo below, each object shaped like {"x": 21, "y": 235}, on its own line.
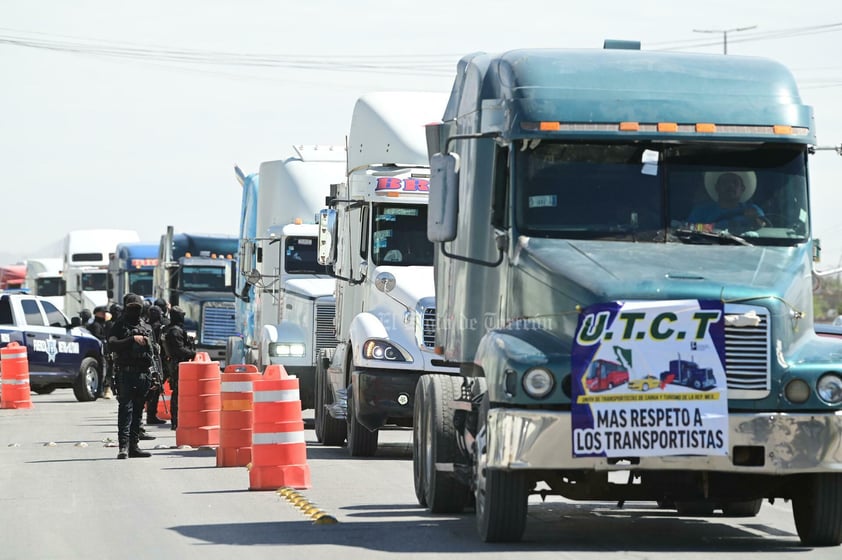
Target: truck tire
{"x": 362, "y": 442}
{"x": 501, "y": 496}
{"x": 86, "y": 386}
{"x": 329, "y": 430}
{"x": 419, "y": 443}
{"x": 444, "y": 494}
{"x": 817, "y": 509}
{"x": 749, "y": 508}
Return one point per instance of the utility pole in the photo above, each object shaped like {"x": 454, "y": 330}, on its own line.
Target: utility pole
{"x": 725, "y": 33}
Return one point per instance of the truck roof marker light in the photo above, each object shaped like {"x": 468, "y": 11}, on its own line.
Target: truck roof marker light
{"x": 667, "y": 127}
{"x": 298, "y": 221}
{"x": 392, "y": 194}
{"x": 549, "y": 126}
{"x": 188, "y": 254}
{"x": 782, "y": 129}
{"x": 629, "y": 126}
{"x": 705, "y": 127}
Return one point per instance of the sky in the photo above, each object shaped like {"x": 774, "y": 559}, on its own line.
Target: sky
{"x": 132, "y": 115}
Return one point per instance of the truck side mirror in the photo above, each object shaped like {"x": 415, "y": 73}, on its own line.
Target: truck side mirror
{"x": 444, "y": 200}
{"x": 246, "y": 252}
{"x": 327, "y": 236}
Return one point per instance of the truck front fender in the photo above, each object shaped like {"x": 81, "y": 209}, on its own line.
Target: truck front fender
{"x": 505, "y": 355}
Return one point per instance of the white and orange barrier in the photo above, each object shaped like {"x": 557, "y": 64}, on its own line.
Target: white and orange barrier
{"x": 198, "y": 402}
{"x": 279, "y": 451}
{"x": 14, "y": 378}
{"x": 236, "y": 415}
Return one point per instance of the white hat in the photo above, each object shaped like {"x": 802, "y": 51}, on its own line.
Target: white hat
{"x": 748, "y": 177}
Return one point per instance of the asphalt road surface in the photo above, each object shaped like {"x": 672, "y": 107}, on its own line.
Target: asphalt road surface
{"x": 64, "y": 495}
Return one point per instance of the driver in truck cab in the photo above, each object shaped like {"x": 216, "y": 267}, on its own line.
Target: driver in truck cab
{"x": 729, "y": 207}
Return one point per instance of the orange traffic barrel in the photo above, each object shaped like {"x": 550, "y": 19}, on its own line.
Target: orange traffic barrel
{"x": 279, "y": 451}
{"x": 14, "y": 378}
{"x": 164, "y": 402}
{"x": 198, "y": 402}
{"x": 236, "y": 415}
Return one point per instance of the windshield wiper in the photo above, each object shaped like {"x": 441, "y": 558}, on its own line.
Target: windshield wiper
{"x": 695, "y": 236}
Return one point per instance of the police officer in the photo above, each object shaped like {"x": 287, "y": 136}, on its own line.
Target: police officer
{"x": 97, "y": 328}
{"x": 130, "y": 342}
{"x": 116, "y": 311}
{"x": 154, "y": 317}
{"x": 178, "y": 348}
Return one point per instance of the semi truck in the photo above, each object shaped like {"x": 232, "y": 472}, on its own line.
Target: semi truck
{"x": 373, "y": 236}
{"x": 12, "y": 276}
{"x": 687, "y": 373}
{"x": 562, "y": 182}
{"x": 194, "y": 271}
{"x": 44, "y": 278}
{"x": 130, "y": 270}
{"x": 285, "y": 304}
{"x": 85, "y": 269}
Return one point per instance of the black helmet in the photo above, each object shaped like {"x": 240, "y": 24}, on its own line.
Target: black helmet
{"x": 100, "y": 309}
{"x": 155, "y": 314}
{"x": 85, "y": 314}
{"x": 132, "y": 299}
{"x": 116, "y": 309}
{"x": 177, "y": 315}
{"x": 162, "y": 304}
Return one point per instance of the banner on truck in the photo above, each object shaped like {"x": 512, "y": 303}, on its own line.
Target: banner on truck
{"x": 649, "y": 380}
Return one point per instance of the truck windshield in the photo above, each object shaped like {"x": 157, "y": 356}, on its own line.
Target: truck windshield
{"x": 50, "y": 286}
{"x": 93, "y": 281}
{"x": 693, "y": 193}
{"x": 300, "y": 256}
{"x": 399, "y": 235}
{"x": 203, "y": 278}
{"x": 140, "y": 282}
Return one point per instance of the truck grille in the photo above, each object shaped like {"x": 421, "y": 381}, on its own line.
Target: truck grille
{"x": 325, "y": 331}
{"x": 217, "y": 323}
{"x": 429, "y": 327}
{"x": 747, "y": 355}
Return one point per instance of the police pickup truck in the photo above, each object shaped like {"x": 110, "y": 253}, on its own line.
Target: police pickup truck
{"x": 60, "y": 355}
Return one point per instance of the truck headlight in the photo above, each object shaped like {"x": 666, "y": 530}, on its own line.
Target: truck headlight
{"x": 538, "y": 382}
{"x": 829, "y": 388}
{"x": 286, "y": 349}
{"x": 382, "y": 350}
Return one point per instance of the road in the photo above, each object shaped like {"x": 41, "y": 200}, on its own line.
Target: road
{"x": 65, "y": 496}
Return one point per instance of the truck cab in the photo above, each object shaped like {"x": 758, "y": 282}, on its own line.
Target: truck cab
{"x": 373, "y": 236}
{"x": 587, "y": 199}
{"x": 130, "y": 270}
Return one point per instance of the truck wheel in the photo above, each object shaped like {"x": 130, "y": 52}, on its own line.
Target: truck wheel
{"x": 748, "y": 508}
{"x": 444, "y": 494}
{"x": 86, "y": 386}
{"x": 419, "y": 441}
{"x": 501, "y": 496}
{"x": 329, "y": 430}
{"x": 362, "y": 442}
{"x": 817, "y": 509}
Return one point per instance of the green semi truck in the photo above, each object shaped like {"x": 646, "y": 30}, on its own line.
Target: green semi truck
{"x": 585, "y": 201}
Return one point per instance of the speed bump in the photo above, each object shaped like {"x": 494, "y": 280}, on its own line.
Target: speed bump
{"x": 295, "y": 498}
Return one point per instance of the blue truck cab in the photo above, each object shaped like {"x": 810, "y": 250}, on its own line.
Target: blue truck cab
{"x": 592, "y": 203}
{"x": 130, "y": 270}
{"x": 59, "y": 355}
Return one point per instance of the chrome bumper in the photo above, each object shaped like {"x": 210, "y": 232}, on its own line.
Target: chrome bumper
{"x": 520, "y": 439}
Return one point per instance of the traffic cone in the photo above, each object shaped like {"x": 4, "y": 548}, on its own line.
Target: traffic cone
{"x": 236, "y": 415}
{"x": 279, "y": 451}
{"x": 198, "y": 402}
{"x": 14, "y": 377}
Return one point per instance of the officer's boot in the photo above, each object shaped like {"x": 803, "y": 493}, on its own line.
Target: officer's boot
{"x": 124, "y": 449}
{"x": 135, "y": 451}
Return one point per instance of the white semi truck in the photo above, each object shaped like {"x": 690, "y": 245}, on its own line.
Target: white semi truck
{"x": 374, "y": 236}
{"x": 87, "y": 253}
{"x": 285, "y": 308}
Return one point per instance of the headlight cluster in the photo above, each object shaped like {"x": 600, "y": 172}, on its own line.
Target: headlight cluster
{"x": 286, "y": 349}
{"x": 382, "y": 350}
{"x": 538, "y": 382}
{"x": 828, "y": 388}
